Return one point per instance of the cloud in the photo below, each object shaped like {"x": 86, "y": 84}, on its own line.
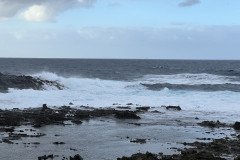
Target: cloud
{"x": 187, "y": 3}
{"x": 39, "y": 11}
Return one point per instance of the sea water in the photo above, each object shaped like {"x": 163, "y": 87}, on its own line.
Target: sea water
{"x": 191, "y": 84}
{"x": 209, "y": 90}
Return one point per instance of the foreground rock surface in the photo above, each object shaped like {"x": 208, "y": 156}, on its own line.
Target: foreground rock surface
{"x": 45, "y": 116}
{"x": 214, "y": 150}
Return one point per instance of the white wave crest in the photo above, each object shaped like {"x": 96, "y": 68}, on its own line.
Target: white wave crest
{"x": 190, "y": 79}
{"x": 103, "y": 93}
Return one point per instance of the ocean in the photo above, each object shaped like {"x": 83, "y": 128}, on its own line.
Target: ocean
{"x": 211, "y": 85}
{"x": 204, "y": 89}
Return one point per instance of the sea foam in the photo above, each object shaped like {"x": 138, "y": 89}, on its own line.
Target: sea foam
{"x": 103, "y": 93}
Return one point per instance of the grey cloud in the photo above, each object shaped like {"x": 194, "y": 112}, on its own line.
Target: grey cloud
{"x": 50, "y": 8}
{"x": 187, "y": 3}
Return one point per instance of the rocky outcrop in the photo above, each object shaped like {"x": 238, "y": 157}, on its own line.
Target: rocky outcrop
{"x": 44, "y": 116}
{"x": 126, "y": 115}
{"x": 25, "y": 82}
{"x": 236, "y": 126}
{"x": 213, "y": 124}
{"x": 177, "y": 108}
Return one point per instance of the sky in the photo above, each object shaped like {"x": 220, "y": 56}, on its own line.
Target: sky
{"x": 138, "y": 29}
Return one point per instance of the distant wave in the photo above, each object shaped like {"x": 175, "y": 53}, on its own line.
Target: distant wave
{"x": 190, "y": 79}
{"x": 198, "y": 87}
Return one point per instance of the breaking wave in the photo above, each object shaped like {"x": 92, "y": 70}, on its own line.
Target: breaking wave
{"x": 186, "y": 90}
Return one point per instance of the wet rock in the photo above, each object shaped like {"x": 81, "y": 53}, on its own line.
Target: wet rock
{"x": 5, "y": 140}
{"x": 177, "y": 108}
{"x": 10, "y": 118}
{"x": 143, "y": 108}
{"x": 19, "y": 135}
{"x": 45, "y": 157}
{"x": 25, "y": 82}
{"x": 136, "y": 124}
{"x": 39, "y": 117}
{"x": 8, "y": 129}
{"x": 123, "y": 107}
{"x": 126, "y": 115}
{"x": 58, "y": 143}
{"x": 76, "y": 157}
{"x": 141, "y": 141}
{"x": 213, "y": 124}
{"x": 236, "y": 126}
{"x": 44, "y": 107}
{"x": 76, "y": 121}
{"x": 72, "y": 149}
{"x": 82, "y": 114}
{"x": 141, "y": 156}
{"x": 202, "y": 155}
{"x": 156, "y": 111}
{"x": 36, "y": 143}
{"x": 37, "y": 126}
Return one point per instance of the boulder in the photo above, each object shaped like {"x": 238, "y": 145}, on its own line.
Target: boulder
{"x": 236, "y": 126}
{"x": 178, "y": 108}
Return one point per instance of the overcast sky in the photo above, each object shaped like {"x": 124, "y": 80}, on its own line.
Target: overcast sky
{"x": 162, "y": 29}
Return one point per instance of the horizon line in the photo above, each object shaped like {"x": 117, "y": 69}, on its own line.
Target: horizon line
{"x": 120, "y": 58}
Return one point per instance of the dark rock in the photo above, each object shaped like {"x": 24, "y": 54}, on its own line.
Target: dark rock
{"x": 136, "y": 124}
{"x": 10, "y": 129}
{"x": 5, "y": 140}
{"x": 76, "y": 121}
{"x": 141, "y": 141}
{"x": 178, "y": 108}
{"x": 213, "y": 124}
{"x": 35, "y": 142}
{"x": 129, "y": 104}
{"x": 82, "y": 114}
{"x": 76, "y": 157}
{"x": 126, "y": 115}
{"x": 143, "y": 108}
{"x": 236, "y": 126}
{"x": 123, "y": 107}
{"x": 44, "y": 107}
{"x": 45, "y": 157}
{"x": 57, "y": 143}
{"x": 72, "y": 149}
{"x": 141, "y": 156}
{"x": 37, "y": 125}
{"x": 10, "y": 118}
{"x": 24, "y": 82}
{"x": 155, "y": 111}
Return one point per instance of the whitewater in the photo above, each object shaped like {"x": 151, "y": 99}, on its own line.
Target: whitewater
{"x": 96, "y": 92}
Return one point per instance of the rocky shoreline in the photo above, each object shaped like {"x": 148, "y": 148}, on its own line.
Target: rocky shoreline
{"x": 216, "y": 149}
{"x": 25, "y": 82}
